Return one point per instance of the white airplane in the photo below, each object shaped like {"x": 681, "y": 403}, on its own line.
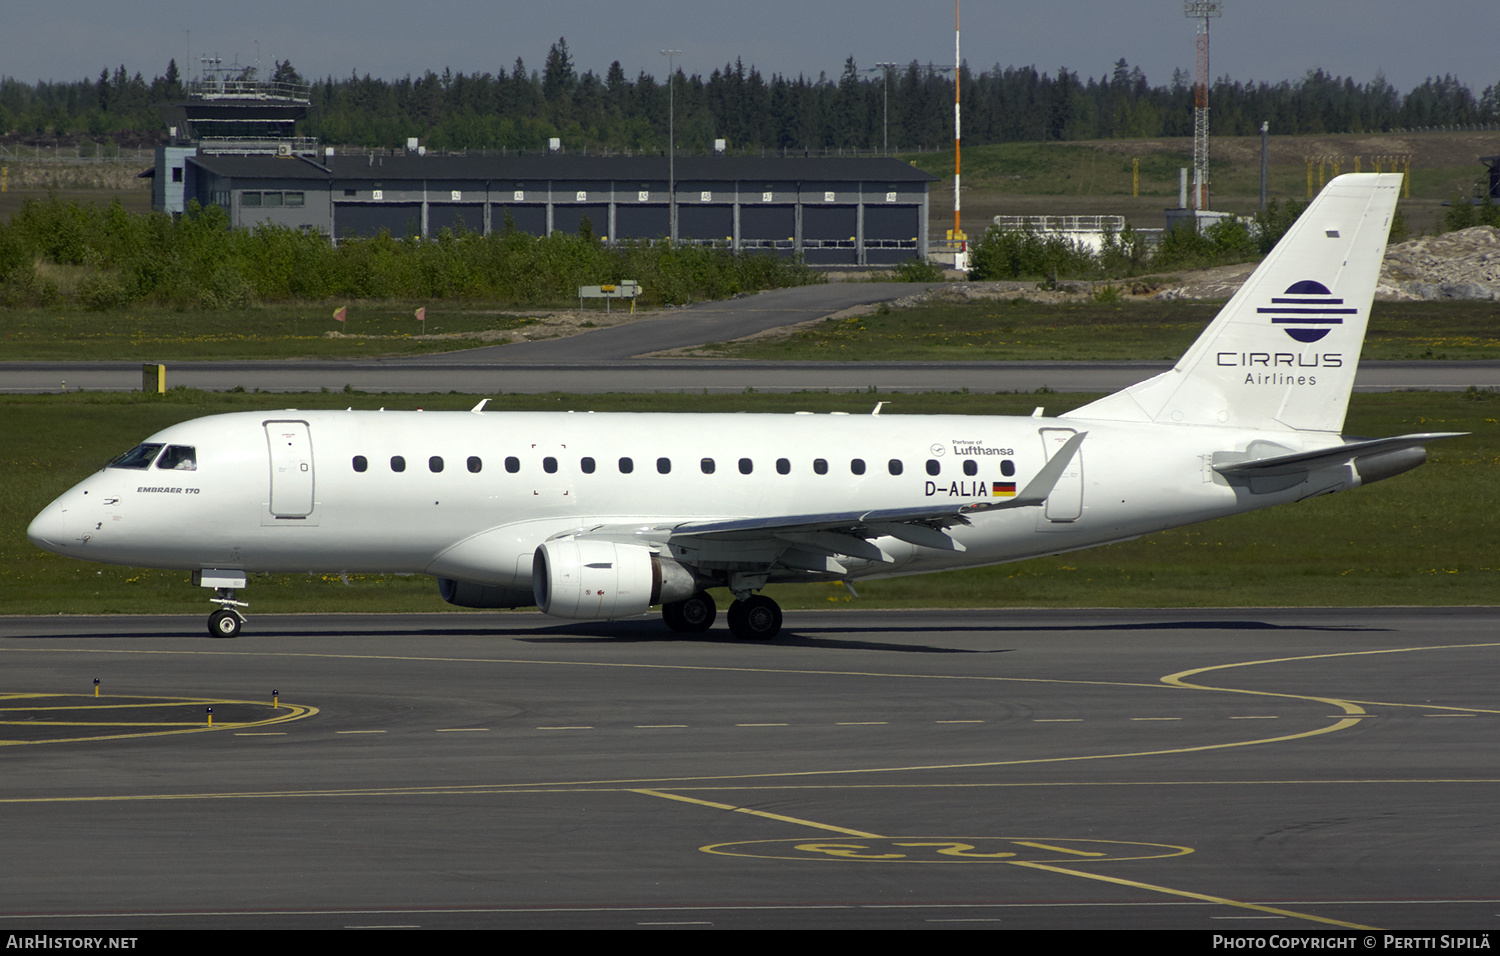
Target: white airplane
{"x": 601, "y": 516}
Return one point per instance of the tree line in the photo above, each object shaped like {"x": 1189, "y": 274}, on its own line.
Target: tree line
{"x": 521, "y": 108}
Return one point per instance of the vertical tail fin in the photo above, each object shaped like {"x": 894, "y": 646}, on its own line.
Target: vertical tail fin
{"x": 1282, "y": 353}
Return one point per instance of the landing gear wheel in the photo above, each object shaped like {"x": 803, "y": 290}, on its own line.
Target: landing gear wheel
{"x": 691, "y": 614}
{"x": 757, "y": 618}
{"x": 224, "y": 623}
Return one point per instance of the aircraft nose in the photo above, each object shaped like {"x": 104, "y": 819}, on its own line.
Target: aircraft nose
{"x": 49, "y": 530}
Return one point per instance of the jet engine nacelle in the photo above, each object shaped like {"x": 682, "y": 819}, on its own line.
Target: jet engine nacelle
{"x": 469, "y": 594}
{"x": 593, "y": 580}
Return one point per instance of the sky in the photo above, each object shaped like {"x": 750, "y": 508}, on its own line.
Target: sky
{"x": 1256, "y": 40}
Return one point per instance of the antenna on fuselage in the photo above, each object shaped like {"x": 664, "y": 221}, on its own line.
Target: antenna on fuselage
{"x": 878, "y": 407}
{"x": 477, "y": 409}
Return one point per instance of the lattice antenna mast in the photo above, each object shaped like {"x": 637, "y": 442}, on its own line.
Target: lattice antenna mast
{"x": 1204, "y": 10}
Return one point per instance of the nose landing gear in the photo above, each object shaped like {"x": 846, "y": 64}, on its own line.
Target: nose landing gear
{"x": 227, "y": 620}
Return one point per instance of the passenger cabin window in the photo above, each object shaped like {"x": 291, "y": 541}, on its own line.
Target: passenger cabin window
{"x": 706, "y": 466}
{"x": 475, "y": 465}
{"x": 435, "y": 464}
{"x": 971, "y": 467}
{"x": 894, "y": 466}
{"x": 663, "y": 466}
{"x": 626, "y": 466}
{"x": 512, "y": 464}
{"x": 179, "y": 458}
{"x": 361, "y": 463}
{"x": 138, "y": 458}
{"x": 1008, "y": 468}
{"x": 783, "y": 466}
{"x": 586, "y": 466}
{"x": 857, "y": 466}
{"x": 746, "y": 466}
{"x": 398, "y": 463}
{"x": 934, "y": 466}
{"x": 549, "y": 465}
{"x": 820, "y": 466}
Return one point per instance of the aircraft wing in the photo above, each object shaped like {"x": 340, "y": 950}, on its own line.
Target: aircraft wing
{"x": 1303, "y": 462}
{"x": 847, "y": 532}
{"x": 802, "y": 542}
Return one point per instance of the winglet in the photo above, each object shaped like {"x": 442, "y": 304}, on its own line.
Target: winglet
{"x": 1038, "y": 488}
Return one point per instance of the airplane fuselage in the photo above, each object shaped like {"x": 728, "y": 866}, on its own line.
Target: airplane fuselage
{"x": 470, "y": 496}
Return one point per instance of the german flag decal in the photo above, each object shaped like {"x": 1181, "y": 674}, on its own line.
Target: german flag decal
{"x": 1005, "y": 489}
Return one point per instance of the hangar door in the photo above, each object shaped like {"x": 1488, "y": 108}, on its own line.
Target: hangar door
{"x": 530, "y": 219}
{"x": 369, "y": 219}
{"x": 459, "y": 217}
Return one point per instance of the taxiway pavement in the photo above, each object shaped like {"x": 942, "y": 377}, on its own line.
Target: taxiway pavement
{"x": 1206, "y": 769}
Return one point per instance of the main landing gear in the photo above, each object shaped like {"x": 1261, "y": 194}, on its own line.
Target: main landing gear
{"x": 754, "y": 618}
{"x": 693, "y": 614}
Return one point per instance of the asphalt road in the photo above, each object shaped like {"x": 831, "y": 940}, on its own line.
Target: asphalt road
{"x": 605, "y": 360}
{"x": 679, "y": 376}
{"x": 1217, "y": 770}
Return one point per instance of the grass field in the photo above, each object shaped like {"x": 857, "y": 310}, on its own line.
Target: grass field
{"x": 1423, "y": 538}
{"x": 164, "y": 334}
{"x": 1011, "y": 330}
{"x": 986, "y": 330}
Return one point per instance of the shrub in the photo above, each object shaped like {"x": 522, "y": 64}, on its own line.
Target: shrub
{"x": 917, "y": 270}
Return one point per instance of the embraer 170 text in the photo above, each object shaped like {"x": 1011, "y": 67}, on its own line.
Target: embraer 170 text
{"x": 599, "y": 516}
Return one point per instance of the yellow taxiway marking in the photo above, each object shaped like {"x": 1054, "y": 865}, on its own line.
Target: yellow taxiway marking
{"x": 461, "y": 730}
{"x": 779, "y": 817}
{"x": 1051, "y": 868}
{"x": 115, "y": 729}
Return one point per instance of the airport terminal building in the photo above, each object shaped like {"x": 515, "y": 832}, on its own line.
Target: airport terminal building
{"x": 831, "y": 211}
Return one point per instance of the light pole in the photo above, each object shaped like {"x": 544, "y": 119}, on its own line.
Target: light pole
{"x": 885, "y": 106}
{"x": 671, "y": 144}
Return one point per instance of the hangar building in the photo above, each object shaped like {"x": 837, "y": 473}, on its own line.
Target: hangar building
{"x": 833, "y": 211}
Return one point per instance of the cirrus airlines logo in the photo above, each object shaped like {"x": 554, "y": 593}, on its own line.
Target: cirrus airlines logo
{"x": 1307, "y": 311}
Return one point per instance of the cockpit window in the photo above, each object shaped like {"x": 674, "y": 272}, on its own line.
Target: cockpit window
{"x": 179, "y": 458}
{"x": 139, "y": 457}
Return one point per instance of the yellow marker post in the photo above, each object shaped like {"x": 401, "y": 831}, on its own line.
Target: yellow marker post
{"x": 275, "y": 700}
{"x": 96, "y": 687}
{"x": 210, "y": 716}
{"x": 154, "y": 378}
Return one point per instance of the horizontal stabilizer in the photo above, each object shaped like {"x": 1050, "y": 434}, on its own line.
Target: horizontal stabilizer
{"x": 1303, "y": 462}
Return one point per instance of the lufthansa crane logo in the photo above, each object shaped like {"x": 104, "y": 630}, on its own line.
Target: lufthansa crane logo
{"x": 1307, "y": 311}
